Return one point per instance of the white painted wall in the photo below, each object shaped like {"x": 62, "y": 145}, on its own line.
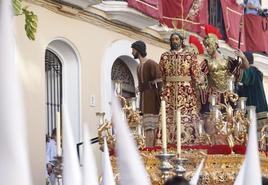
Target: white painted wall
{"x": 95, "y": 49}
{"x": 264, "y": 4}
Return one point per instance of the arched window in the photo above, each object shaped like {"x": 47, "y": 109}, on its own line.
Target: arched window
{"x": 63, "y": 84}
{"x": 53, "y": 67}
{"x": 120, "y": 71}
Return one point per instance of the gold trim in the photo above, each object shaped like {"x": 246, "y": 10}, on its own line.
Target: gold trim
{"x": 234, "y": 11}
{"x": 143, "y": 2}
{"x": 185, "y": 20}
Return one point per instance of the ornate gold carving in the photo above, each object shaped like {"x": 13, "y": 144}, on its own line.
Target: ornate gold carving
{"x": 218, "y": 169}
{"x": 228, "y": 125}
{"x": 133, "y": 119}
{"x": 264, "y": 137}
{"x": 105, "y": 130}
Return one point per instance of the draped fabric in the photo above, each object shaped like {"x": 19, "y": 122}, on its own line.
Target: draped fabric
{"x": 232, "y": 14}
{"x": 253, "y": 89}
{"x": 192, "y": 15}
{"x": 187, "y": 14}
{"x": 256, "y": 31}
{"x": 151, "y": 8}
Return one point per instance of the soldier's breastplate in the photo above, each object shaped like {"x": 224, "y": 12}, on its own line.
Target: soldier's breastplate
{"x": 218, "y": 74}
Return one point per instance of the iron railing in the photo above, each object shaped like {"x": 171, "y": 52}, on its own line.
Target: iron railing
{"x": 53, "y": 70}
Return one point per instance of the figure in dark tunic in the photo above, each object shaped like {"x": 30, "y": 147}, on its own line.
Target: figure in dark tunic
{"x": 149, "y": 87}
{"x": 252, "y": 88}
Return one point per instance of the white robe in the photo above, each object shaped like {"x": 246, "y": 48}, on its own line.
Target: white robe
{"x": 51, "y": 153}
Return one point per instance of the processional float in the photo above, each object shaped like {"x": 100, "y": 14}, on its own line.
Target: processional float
{"x": 222, "y": 162}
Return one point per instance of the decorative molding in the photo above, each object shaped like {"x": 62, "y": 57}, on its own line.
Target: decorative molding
{"x": 99, "y": 18}
{"x": 118, "y": 11}
{"x": 155, "y": 35}
{"x": 261, "y": 62}
{"x": 80, "y": 3}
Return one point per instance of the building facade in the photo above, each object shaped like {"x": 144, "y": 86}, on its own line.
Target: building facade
{"x": 84, "y": 44}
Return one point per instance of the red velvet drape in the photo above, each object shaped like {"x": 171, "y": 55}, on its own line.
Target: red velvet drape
{"x": 232, "y": 14}
{"x": 256, "y": 31}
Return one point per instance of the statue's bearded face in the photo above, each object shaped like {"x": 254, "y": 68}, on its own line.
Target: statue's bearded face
{"x": 175, "y": 42}
{"x": 135, "y": 53}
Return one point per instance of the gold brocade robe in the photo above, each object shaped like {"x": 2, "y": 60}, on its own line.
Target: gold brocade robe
{"x": 180, "y": 71}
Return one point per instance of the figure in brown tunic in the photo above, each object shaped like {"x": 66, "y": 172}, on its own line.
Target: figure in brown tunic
{"x": 149, "y": 79}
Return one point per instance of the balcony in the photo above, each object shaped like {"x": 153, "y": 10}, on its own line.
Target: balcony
{"x": 118, "y": 11}
{"x": 79, "y": 3}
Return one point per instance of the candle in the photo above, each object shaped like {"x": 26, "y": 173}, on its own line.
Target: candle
{"x": 215, "y": 112}
{"x": 229, "y": 111}
{"x": 133, "y": 104}
{"x": 238, "y": 127}
{"x": 118, "y": 88}
{"x": 100, "y": 116}
{"x": 242, "y": 103}
{"x": 58, "y": 133}
{"x": 252, "y": 114}
{"x": 164, "y": 126}
{"x": 139, "y": 130}
{"x": 224, "y": 129}
{"x": 213, "y": 100}
{"x": 200, "y": 127}
{"x": 231, "y": 84}
{"x": 137, "y": 101}
{"x": 178, "y": 124}
{"x": 143, "y": 133}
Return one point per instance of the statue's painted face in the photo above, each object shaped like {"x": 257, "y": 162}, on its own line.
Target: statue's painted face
{"x": 211, "y": 45}
{"x": 135, "y": 53}
{"x": 175, "y": 42}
